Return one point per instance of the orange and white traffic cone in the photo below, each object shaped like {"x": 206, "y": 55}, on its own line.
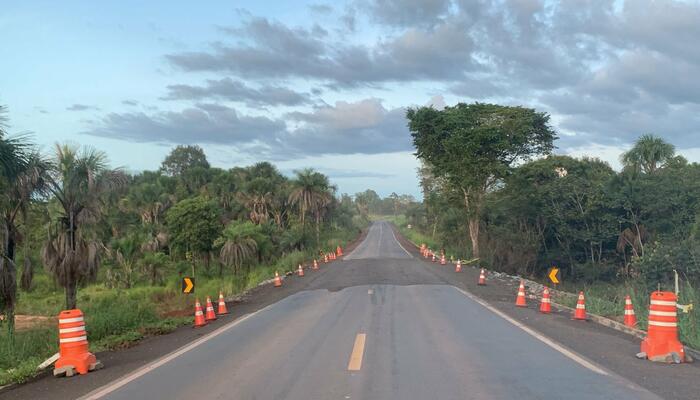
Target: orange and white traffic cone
{"x": 278, "y": 280}
{"x": 520, "y": 300}
{"x": 458, "y": 267}
{"x": 443, "y": 261}
{"x": 325, "y": 258}
{"x": 580, "y": 311}
{"x": 546, "y": 304}
{"x": 482, "y": 278}
{"x": 222, "y": 305}
{"x": 339, "y": 251}
{"x": 300, "y": 271}
{"x": 199, "y": 320}
{"x": 314, "y": 265}
{"x": 661, "y": 343}
{"x": 210, "y": 315}
{"x": 73, "y": 347}
{"x": 630, "y": 318}
{"x": 434, "y": 258}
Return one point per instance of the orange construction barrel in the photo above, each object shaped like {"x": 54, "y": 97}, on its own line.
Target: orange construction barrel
{"x": 661, "y": 343}
{"x": 73, "y": 345}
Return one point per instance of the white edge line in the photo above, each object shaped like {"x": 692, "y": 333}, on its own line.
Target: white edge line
{"x": 549, "y": 342}
{"x": 400, "y": 245}
{"x": 124, "y": 380}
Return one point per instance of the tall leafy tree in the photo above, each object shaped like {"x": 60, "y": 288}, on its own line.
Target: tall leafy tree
{"x": 79, "y": 180}
{"x": 648, "y": 154}
{"x": 239, "y": 243}
{"x": 183, "y": 159}
{"x": 474, "y": 146}
{"x": 194, "y": 224}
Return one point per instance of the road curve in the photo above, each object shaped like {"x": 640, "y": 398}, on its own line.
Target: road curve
{"x": 420, "y": 339}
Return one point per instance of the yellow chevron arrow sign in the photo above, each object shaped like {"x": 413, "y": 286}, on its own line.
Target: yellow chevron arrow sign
{"x": 187, "y": 285}
{"x": 553, "y": 275}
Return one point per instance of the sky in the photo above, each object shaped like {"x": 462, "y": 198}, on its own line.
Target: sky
{"x": 326, "y": 84}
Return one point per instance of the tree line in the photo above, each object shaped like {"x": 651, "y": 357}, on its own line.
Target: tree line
{"x": 69, "y": 211}
{"x": 491, "y": 185}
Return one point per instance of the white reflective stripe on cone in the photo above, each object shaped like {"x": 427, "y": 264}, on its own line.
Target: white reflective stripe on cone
{"x": 663, "y": 303}
{"x": 545, "y": 300}
{"x": 663, "y": 313}
{"x": 198, "y": 313}
{"x": 73, "y": 339}
{"x": 580, "y": 306}
{"x": 667, "y": 324}
{"x": 71, "y": 330}
{"x": 629, "y": 312}
{"x": 70, "y": 320}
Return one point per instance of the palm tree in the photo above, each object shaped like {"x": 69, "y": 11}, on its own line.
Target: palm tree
{"x": 311, "y": 192}
{"x": 238, "y": 244}
{"x": 20, "y": 175}
{"x": 78, "y": 180}
{"x": 648, "y": 154}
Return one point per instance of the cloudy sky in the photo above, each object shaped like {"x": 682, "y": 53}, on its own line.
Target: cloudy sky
{"x": 325, "y": 84}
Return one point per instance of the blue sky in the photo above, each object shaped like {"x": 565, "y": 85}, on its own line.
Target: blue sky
{"x": 324, "y": 85}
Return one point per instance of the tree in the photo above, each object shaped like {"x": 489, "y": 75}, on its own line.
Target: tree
{"x": 79, "y": 180}
{"x": 474, "y": 146}
{"x": 182, "y": 159}
{"x": 311, "y": 192}
{"x": 648, "y": 154}
{"x": 239, "y": 243}
{"x": 16, "y": 172}
{"x": 152, "y": 264}
{"x": 194, "y": 224}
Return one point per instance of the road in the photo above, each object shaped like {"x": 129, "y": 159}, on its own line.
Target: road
{"x": 378, "y": 325}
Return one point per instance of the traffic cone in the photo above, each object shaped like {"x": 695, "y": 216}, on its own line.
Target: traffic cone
{"x": 339, "y": 251}
{"x": 434, "y": 259}
{"x": 332, "y": 256}
{"x": 300, "y": 271}
{"x": 458, "y": 267}
{"x": 325, "y": 258}
{"x": 546, "y": 304}
{"x": 222, "y": 305}
{"x": 314, "y": 265}
{"x": 210, "y": 315}
{"x": 630, "y": 318}
{"x": 278, "y": 280}
{"x": 199, "y": 320}
{"x": 482, "y": 278}
{"x": 520, "y": 300}
{"x": 580, "y": 312}
{"x": 73, "y": 347}
{"x": 661, "y": 343}
{"x": 443, "y": 261}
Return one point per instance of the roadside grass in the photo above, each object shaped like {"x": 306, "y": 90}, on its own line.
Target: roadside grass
{"x": 608, "y": 300}
{"x": 118, "y": 318}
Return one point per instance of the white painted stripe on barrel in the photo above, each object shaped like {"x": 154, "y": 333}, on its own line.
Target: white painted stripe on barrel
{"x": 663, "y": 303}
{"x": 71, "y": 330}
{"x": 666, "y": 324}
{"x": 663, "y": 313}
{"x": 70, "y": 320}
{"x": 73, "y": 339}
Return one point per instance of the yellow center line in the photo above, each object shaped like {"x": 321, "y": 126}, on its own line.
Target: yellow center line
{"x": 357, "y": 351}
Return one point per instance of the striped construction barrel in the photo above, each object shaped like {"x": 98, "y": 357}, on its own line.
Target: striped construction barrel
{"x": 661, "y": 343}
{"x": 73, "y": 345}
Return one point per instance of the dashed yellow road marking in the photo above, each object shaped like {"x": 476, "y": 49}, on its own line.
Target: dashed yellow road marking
{"x": 357, "y": 351}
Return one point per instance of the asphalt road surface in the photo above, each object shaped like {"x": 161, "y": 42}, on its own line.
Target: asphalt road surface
{"x": 378, "y": 325}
